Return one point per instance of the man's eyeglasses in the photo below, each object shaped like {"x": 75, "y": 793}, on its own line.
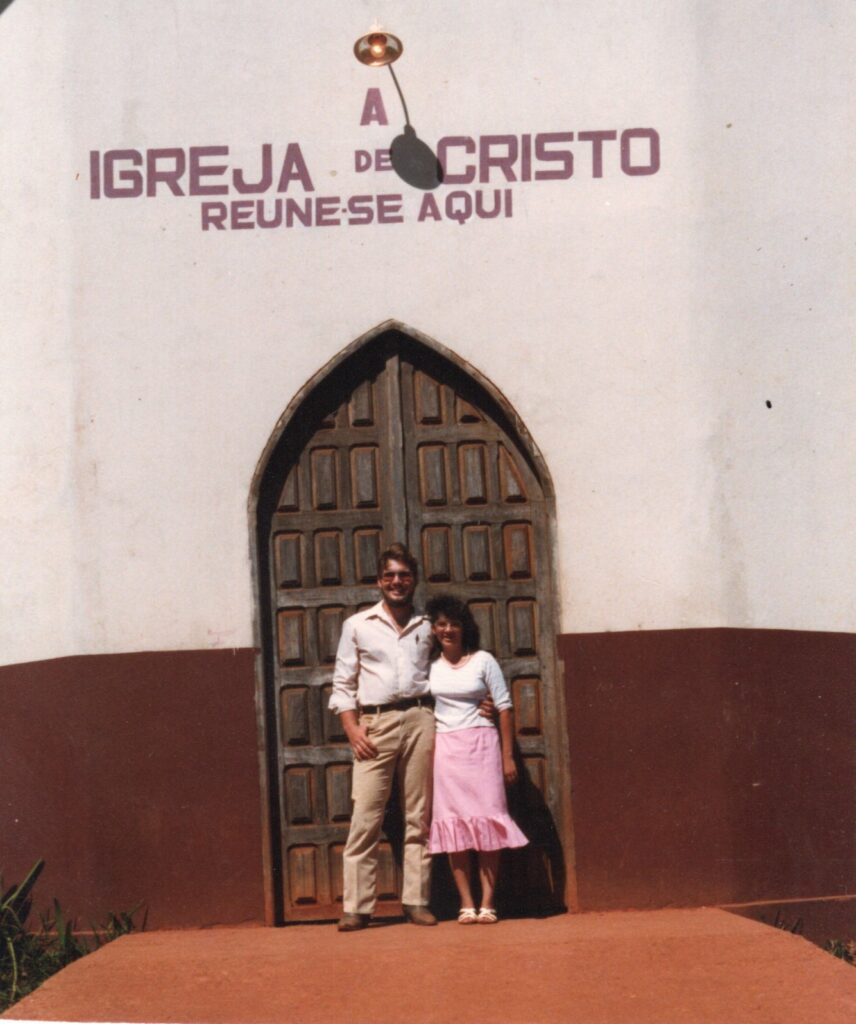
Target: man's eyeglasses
{"x": 388, "y": 577}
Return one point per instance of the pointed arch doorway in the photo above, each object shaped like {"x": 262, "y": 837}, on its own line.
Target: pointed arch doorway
{"x": 398, "y": 439}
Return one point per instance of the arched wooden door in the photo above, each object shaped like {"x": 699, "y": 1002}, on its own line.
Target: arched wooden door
{"x": 398, "y": 442}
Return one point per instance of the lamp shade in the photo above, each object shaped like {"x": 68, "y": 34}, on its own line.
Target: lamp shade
{"x": 377, "y": 49}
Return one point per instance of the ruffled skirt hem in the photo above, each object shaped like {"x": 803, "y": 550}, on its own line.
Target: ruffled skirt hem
{"x": 453, "y": 835}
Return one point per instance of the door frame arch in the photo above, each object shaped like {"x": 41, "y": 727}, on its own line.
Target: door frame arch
{"x": 282, "y": 444}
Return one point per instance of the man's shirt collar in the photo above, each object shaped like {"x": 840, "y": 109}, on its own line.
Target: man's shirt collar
{"x": 379, "y": 611}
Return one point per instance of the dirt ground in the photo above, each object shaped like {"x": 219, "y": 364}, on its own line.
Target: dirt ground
{"x": 682, "y": 966}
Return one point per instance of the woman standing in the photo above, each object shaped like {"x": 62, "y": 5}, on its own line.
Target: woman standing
{"x": 471, "y": 763}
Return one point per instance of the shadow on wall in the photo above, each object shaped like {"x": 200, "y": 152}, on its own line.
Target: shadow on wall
{"x": 414, "y": 162}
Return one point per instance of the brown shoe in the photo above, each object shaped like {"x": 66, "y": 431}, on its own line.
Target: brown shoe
{"x": 353, "y": 922}
{"x": 418, "y": 915}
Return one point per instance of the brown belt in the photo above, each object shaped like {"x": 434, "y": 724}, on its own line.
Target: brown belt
{"x": 397, "y": 705}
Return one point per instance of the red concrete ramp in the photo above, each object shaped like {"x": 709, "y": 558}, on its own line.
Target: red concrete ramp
{"x": 681, "y": 966}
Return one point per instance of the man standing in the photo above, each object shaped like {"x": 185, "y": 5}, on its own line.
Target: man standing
{"x": 380, "y": 691}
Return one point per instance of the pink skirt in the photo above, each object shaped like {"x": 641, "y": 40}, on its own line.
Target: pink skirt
{"x": 470, "y": 812}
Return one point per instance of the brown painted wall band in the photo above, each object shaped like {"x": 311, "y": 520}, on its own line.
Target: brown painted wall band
{"x": 707, "y": 766}
{"x": 711, "y": 766}
{"x": 135, "y": 777}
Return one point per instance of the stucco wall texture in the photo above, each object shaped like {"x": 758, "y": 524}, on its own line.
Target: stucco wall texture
{"x": 677, "y": 343}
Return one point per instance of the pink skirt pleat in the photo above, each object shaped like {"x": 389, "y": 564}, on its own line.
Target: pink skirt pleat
{"x": 470, "y": 811}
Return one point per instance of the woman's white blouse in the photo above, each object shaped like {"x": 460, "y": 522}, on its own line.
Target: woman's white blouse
{"x": 458, "y": 691}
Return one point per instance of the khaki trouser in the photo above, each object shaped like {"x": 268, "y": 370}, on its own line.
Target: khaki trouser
{"x": 405, "y": 744}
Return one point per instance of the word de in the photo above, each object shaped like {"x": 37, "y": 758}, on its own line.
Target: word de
{"x": 381, "y": 160}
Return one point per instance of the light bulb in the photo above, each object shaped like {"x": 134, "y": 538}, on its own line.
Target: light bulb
{"x": 377, "y": 49}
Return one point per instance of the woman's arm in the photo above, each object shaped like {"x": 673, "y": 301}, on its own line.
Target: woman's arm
{"x": 506, "y": 738}
{"x": 498, "y": 690}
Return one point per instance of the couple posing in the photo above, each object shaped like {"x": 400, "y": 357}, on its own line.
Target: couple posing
{"x": 399, "y": 675}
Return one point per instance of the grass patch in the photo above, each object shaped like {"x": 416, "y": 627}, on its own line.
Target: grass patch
{"x": 30, "y": 956}
{"x": 844, "y": 949}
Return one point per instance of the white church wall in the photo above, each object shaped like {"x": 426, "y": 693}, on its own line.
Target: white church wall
{"x": 639, "y": 324}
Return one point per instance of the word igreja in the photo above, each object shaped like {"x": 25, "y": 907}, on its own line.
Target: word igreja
{"x": 129, "y": 173}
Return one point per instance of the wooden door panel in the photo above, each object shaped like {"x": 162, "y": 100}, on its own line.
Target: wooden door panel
{"x": 476, "y": 511}
{"x": 401, "y": 452}
{"x": 336, "y": 511}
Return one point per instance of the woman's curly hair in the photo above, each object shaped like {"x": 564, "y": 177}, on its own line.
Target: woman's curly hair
{"x": 455, "y": 611}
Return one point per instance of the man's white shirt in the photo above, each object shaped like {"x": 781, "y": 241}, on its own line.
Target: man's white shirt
{"x": 375, "y": 664}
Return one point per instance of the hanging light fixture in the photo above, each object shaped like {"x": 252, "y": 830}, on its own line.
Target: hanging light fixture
{"x": 377, "y": 48}
{"x": 412, "y": 160}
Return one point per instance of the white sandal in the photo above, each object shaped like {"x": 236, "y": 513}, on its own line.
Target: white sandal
{"x": 487, "y": 915}
{"x": 467, "y": 915}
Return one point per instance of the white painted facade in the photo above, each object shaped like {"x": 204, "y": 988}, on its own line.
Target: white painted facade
{"x": 639, "y": 325}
